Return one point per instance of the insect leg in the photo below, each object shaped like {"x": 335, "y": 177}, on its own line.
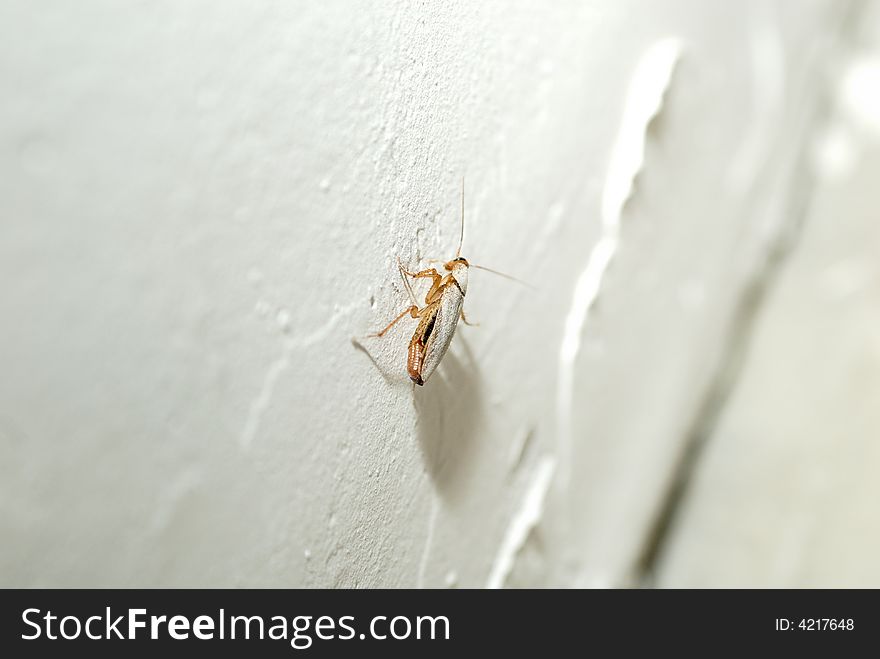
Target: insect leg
{"x": 438, "y": 288}
{"x": 412, "y": 311}
{"x": 430, "y": 272}
{"x": 465, "y": 320}
{"x": 406, "y": 284}
{"x": 435, "y": 276}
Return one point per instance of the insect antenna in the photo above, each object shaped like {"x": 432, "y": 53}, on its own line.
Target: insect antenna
{"x": 409, "y": 290}
{"x": 461, "y": 237}
{"x": 502, "y": 274}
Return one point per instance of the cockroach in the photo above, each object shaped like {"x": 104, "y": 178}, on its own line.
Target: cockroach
{"x": 439, "y": 317}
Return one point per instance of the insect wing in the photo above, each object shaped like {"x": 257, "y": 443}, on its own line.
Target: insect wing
{"x": 443, "y": 330}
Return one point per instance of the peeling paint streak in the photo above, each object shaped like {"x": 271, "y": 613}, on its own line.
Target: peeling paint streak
{"x": 429, "y": 541}
{"x": 526, "y": 518}
{"x": 261, "y": 403}
{"x": 643, "y": 101}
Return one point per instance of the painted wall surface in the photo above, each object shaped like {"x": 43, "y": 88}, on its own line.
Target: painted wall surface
{"x": 202, "y": 210}
{"x": 786, "y": 492}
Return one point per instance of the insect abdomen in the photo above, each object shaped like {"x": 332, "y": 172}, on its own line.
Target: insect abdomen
{"x": 414, "y": 361}
{"x": 418, "y": 344}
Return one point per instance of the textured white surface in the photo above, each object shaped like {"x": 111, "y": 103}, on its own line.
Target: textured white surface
{"x": 203, "y": 204}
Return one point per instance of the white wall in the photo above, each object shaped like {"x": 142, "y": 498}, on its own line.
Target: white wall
{"x": 786, "y": 492}
{"x": 202, "y": 204}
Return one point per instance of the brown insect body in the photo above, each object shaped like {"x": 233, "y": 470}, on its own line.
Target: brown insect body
{"x": 419, "y": 342}
{"x": 437, "y": 319}
{"x": 440, "y": 315}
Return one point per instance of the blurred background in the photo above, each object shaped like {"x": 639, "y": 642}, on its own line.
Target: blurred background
{"x": 201, "y": 211}
{"x": 784, "y": 492}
